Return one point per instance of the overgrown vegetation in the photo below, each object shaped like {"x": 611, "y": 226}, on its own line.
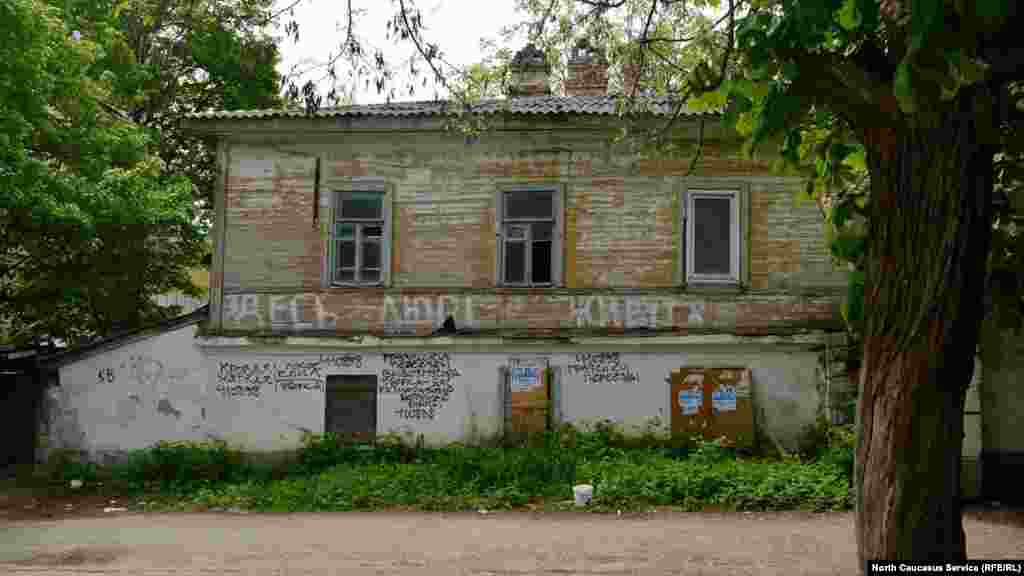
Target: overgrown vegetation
{"x": 628, "y": 472}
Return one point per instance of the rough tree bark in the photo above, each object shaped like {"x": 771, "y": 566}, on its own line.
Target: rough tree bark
{"x": 930, "y": 231}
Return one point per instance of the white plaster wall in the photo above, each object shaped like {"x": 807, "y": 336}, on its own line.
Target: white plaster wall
{"x": 784, "y": 388}
{"x": 785, "y": 392}
{"x": 131, "y": 397}
{"x": 167, "y": 388}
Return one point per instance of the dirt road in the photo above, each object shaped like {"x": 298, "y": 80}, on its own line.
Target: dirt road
{"x": 444, "y": 544}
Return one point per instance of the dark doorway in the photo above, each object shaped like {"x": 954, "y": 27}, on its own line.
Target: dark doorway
{"x": 20, "y": 398}
{"x": 351, "y": 408}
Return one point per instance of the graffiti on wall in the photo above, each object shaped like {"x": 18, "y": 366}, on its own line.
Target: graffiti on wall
{"x": 402, "y": 315}
{"x": 422, "y": 380}
{"x": 149, "y": 384}
{"x": 278, "y": 311}
{"x": 602, "y": 368}
{"x": 245, "y": 380}
{"x": 249, "y": 379}
{"x": 298, "y": 375}
{"x": 630, "y": 312}
{"x": 341, "y": 360}
{"x": 411, "y": 314}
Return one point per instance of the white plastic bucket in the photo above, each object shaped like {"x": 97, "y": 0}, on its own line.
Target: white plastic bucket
{"x": 583, "y": 493}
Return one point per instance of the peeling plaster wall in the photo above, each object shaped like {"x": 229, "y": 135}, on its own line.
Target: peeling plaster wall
{"x": 130, "y": 397}
{"x": 167, "y": 388}
{"x": 454, "y": 396}
{"x": 784, "y": 388}
{"x": 622, "y": 225}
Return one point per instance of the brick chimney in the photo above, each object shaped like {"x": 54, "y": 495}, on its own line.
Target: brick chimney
{"x": 530, "y": 71}
{"x": 632, "y": 74}
{"x": 630, "y": 78}
{"x": 588, "y": 72}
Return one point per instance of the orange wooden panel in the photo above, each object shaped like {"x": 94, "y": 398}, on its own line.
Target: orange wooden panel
{"x": 689, "y": 408}
{"x": 713, "y": 402}
{"x": 732, "y": 411}
{"x": 530, "y": 406}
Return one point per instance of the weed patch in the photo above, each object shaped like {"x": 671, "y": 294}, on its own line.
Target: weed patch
{"x": 627, "y": 473}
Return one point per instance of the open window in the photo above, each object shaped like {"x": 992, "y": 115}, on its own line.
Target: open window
{"x": 530, "y": 233}
{"x": 713, "y": 238}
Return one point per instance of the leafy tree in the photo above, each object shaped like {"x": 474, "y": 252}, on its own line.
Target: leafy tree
{"x": 167, "y": 59}
{"x": 102, "y": 189}
{"x": 906, "y": 118}
{"x": 90, "y": 224}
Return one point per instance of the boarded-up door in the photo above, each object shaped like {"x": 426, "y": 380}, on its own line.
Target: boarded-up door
{"x": 351, "y": 407}
{"x": 532, "y": 393}
{"x": 713, "y": 402}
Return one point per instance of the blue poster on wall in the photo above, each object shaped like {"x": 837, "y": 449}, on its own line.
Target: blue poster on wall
{"x": 690, "y": 400}
{"x": 524, "y": 378}
{"x": 724, "y": 399}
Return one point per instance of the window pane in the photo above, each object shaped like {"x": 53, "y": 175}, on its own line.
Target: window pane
{"x": 345, "y": 230}
{"x": 515, "y": 262}
{"x": 371, "y": 254}
{"x": 712, "y": 238}
{"x": 529, "y": 204}
{"x": 346, "y": 254}
{"x": 346, "y": 276}
{"x": 516, "y": 232}
{"x": 369, "y": 275}
{"x": 373, "y": 231}
{"x": 542, "y": 230}
{"x": 541, "y": 253}
{"x": 365, "y": 205}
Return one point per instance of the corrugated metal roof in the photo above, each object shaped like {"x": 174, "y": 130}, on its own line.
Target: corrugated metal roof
{"x": 597, "y": 105}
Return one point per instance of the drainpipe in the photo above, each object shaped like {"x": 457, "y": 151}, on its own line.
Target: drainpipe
{"x": 828, "y": 381}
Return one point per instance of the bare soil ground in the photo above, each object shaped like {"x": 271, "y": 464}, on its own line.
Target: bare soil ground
{"x": 462, "y": 543}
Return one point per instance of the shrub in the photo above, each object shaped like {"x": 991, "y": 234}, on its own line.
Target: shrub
{"x": 181, "y": 466}
{"x": 628, "y": 473}
{"x": 841, "y": 449}
{"x": 63, "y": 466}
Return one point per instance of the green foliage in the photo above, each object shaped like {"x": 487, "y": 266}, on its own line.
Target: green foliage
{"x": 629, "y": 472}
{"x": 181, "y": 467}
{"x": 92, "y": 223}
{"x": 102, "y": 196}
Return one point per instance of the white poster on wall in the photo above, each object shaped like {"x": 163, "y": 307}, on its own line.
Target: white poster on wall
{"x": 526, "y": 373}
{"x": 525, "y": 378}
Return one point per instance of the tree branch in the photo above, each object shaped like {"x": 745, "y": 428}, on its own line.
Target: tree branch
{"x": 415, "y": 37}
{"x": 728, "y": 15}
{"x": 840, "y": 84}
{"x": 604, "y": 4}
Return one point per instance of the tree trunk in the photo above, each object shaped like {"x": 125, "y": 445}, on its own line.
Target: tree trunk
{"x": 930, "y": 230}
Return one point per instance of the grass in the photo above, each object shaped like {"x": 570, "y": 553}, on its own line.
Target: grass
{"x": 628, "y": 473}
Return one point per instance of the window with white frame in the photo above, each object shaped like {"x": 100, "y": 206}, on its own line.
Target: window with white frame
{"x": 530, "y": 237}
{"x": 359, "y": 238}
{"x": 713, "y": 236}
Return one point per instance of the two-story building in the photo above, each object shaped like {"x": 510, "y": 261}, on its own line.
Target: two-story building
{"x": 374, "y": 271}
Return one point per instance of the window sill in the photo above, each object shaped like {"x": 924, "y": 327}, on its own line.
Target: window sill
{"x": 356, "y": 286}
{"x": 711, "y": 287}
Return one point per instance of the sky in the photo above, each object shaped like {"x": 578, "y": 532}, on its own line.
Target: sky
{"x": 457, "y": 26}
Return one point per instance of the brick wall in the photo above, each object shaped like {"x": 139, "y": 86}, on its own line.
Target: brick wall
{"x": 621, "y": 228}
{"x": 270, "y": 238}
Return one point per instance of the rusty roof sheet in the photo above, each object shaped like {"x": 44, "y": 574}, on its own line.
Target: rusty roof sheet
{"x": 586, "y": 105}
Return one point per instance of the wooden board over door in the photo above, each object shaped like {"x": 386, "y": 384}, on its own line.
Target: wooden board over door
{"x": 351, "y": 406}
{"x": 530, "y": 391}
{"x": 713, "y": 402}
